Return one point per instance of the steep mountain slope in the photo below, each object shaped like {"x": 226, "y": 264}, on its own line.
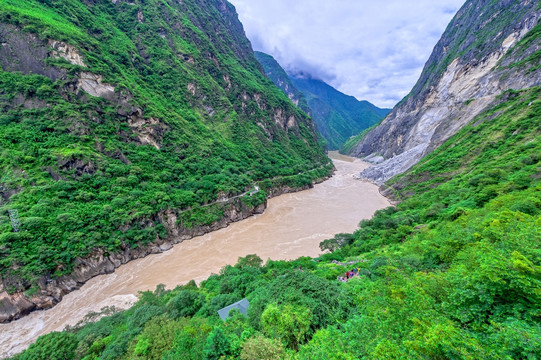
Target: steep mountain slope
{"x": 489, "y": 47}
{"x": 453, "y": 272}
{"x": 337, "y": 116}
{"x": 126, "y": 127}
{"x": 280, "y": 78}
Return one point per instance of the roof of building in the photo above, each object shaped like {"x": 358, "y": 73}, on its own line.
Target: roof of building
{"x": 242, "y": 306}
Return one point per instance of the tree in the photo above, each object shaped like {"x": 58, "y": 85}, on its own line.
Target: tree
{"x": 216, "y": 346}
{"x": 337, "y": 242}
{"x": 186, "y": 303}
{"x": 249, "y": 260}
{"x": 290, "y": 323}
{"x": 261, "y": 348}
{"x": 53, "y": 346}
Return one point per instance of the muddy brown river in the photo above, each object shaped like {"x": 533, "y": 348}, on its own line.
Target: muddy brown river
{"x": 293, "y": 225}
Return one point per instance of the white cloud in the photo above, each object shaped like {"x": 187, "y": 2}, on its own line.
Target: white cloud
{"x": 373, "y": 50}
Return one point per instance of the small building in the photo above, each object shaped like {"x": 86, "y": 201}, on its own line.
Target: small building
{"x": 242, "y": 306}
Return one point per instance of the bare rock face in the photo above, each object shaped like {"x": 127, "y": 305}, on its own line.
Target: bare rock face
{"x": 385, "y": 170}
{"x": 24, "y": 52}
{"x": 67, "y": 52}
{"x": 461, "y": 79}
{"x": 12, "y": 305}
{"x": 93, "y": 85}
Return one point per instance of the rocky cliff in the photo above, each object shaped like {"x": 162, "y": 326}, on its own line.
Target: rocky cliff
{"x": 126, "y": 126}
{"x": 488, "y": 48}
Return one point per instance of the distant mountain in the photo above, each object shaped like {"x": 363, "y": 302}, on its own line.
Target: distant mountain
{"x": 337, "y": 116}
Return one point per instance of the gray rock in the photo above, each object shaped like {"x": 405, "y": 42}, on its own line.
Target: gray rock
{"x": 24, "y": 52}
{"x": 443, "y": 102}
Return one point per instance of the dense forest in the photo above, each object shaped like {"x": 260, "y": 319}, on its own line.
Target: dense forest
{"x": 452, "y": 272}
{"x": 177, "y": 116}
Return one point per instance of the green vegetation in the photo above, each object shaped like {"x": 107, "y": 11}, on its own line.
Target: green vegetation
{"x": 354, "y": 140}
{"x": 337, "y": 116}
{"x": 454, "y": 271}
{"x": 280, "y": 78}
{"x": 75, "y": 167}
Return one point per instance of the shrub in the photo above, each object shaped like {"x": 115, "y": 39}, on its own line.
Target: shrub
{"x": 289, "y": 323}
{"x": 261, "y": 348}
{"x": 185, "y": 303}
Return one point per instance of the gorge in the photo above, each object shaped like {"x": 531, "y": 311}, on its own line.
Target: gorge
{"x": 143, "y": 144}
{"x": 292, "y": 226}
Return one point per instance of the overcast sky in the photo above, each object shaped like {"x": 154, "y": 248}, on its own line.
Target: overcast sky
{"x": 373, "y": 50}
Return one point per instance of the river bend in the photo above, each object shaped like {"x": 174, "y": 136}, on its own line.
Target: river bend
{"x": 293, "y": 225}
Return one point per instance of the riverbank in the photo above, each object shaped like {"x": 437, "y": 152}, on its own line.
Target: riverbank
{"x": 293, "y": 225}
{"x": 180, "y": 226}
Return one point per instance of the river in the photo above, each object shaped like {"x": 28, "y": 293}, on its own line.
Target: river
{"x": 293, "y": 225}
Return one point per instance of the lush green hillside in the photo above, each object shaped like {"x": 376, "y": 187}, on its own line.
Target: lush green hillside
{"x": 354, "y": 140}
{"x": 453, "y": 272}
{"x": 337, "y": 116}
{"x": 281, "y": 79}
{"x": 181, "y": 116}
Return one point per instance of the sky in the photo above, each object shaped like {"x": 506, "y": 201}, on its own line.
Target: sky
{"x": 373, "y": 50}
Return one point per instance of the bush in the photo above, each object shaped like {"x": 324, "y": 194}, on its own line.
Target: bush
{"x": 216, "y": 345}
{"x": 261, "y": 348}
{"x": 249, "y": 260}
{"x": 53, "y": 346}
{"x": 289, "y": 323}
{"x": 185, "y": 303}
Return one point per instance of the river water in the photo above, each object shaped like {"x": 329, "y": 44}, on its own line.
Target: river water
{"x": 293, "y": 225}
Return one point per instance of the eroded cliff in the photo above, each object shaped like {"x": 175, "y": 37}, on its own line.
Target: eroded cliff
{"x": 488, "y": 48}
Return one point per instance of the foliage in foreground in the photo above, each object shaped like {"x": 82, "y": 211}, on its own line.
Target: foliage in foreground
{"x": 454, "y": 271}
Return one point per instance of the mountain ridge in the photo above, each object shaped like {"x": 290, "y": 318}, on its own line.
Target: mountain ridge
{"x": 281, "y": 79}
{"x": 337, "y": 116}
{"x": 462, "y": 77}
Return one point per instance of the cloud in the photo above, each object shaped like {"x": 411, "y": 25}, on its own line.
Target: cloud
{"x": 372, "y": 50}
